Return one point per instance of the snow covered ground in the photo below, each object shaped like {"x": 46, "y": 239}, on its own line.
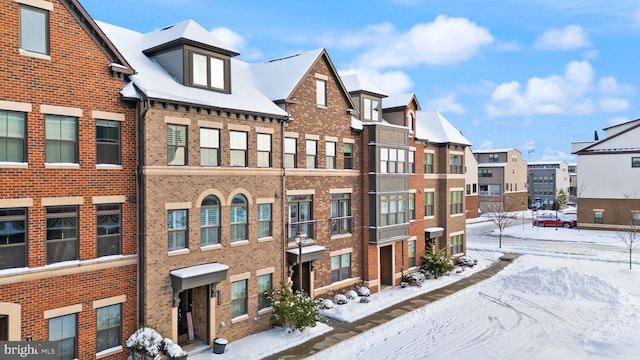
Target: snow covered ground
{"x": 570, "y": 295}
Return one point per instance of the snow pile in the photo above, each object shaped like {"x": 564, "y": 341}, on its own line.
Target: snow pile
{"x": 564, "y": 283}
{"x": 351, "y": 295}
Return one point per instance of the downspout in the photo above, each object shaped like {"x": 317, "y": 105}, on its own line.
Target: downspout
{"x": 142, "y": 108}
{"x": 283, "y": 232}
{"x": 364, "y": 192}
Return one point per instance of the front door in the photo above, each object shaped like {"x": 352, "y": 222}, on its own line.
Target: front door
{"x": 4, "y": 327}
{"x": 386, "y": 266}
{"x": 185, "y": 306}
{"x": 306, "y": 286}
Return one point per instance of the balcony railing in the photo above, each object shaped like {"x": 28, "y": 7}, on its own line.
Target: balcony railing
{"x": 490, "y": 193}
{"x": 341, "y": 225}
{"x": 302, "y": 227}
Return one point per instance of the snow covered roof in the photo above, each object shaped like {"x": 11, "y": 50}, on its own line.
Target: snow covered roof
{"x": 156, "y": 83}
{"x": 492, "y": 164}
{"x": 197, "y": 270}
{"x": 558, "y": 162}
{"x": 355, "y": 82}
{"x": 493, "y": 151}
{"x": 356, "y": 124}
{"x": 432, "y": 126}
{"x": 401, "y": 100}
{"x": 278, "y": 78}
{"x": 186, "y": 30}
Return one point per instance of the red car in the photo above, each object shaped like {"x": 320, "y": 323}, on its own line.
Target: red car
{"x": 552, "y": 221}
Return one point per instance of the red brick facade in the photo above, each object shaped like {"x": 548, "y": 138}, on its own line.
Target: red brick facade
{"x": 72, "y": 80}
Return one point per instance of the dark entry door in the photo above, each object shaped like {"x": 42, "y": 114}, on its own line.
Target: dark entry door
{"x": 4, "y": 327}
{"x": 305, "y": 277}
{"x": 186, "y": 305}
{"x": 386, "y": 266}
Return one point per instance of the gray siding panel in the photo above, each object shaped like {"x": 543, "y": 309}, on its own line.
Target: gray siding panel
{"x": 173, "y": 62}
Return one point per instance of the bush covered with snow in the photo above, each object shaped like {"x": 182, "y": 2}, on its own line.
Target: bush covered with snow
{"x": 363, "y": 291}
{"x": 467, "y": 261}
{"x": 351, "y": 295}
{"x": 414, "y": 279}
{"x": 325, "y": 304}
{"x": 292, "y": 310}
{"x": 436, "y": 264}
{"x": 148, "y": 342}
{"x": 340, "y": 299}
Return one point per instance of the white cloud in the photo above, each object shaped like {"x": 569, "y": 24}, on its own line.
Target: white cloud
{"x": 390, "y": 82}
{"x": 609, "y": 85}
{"x": 618, "y": 120}
{"x": 487, "y": 145}
{"x": 551, "y": 154}
{"x": 445, "y": 104}
{"x": 613, "y": 104}
{"x": 512, "y": 45}
{"x": 237, "y": 42}
{"x": 445, "y": 40}
{"x": 568, "y": 38}
{"x": 555, "y": 94}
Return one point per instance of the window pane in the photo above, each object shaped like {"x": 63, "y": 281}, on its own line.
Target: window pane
{"x": 264, "y": 142}
{"x": 199, "y": 69}
{"x": 209, "y": 138}
{"x": 367, "y": 109}
{"x": 374, "y": 110}
{"x": 321, "y": 98}
{"x": 33, "y": 30}
{"x": 238, "y": 140}
{"x": 217, "y": 73}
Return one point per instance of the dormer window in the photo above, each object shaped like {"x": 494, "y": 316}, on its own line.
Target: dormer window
{"x": 208, "y": 71}
{"x": 371, "y": 109}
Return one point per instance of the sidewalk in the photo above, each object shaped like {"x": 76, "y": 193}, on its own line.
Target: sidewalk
{"x": 343, "y": 331}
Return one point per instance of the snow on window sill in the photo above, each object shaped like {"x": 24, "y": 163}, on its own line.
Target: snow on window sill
{"x": 240, "y": 243}
{"x": 108, "y": 167}
{"x": 61, "y": 166}
{"x": 456, "y": 215}
{"x": 266, "y": 239}
{"x": 34, "y": 54}
{"x": 341, "y": 236}
{"x": 211, "y": 247}
{"x": 179, "y": 252}
{"x": 429, "y": 217}
{"x": 107, "y": 352}
{"x": 240, "y": 318}
{"x": 265, "y": 310}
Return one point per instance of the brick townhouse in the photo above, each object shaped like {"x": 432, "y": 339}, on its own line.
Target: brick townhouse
{"x": 68, "y": 262}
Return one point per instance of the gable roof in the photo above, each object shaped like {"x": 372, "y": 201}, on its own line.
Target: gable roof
{"x": 356, "y": 83}
{"x": 155, "y": 83}
{"x": 432, "y": 126}
{"x": 494, "y": 151}
{"x": 400, "y": 101}
{"x": 118, "y": 63}
{"x": 278, "y": 79}
{"x": 619, "y": 132}
{"x": 189, "y": 32}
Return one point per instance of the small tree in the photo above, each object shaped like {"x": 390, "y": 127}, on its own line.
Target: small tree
{"x": 561, "y": 199}
{"x": 292, "y": 310}
{"x": 501, "y": 217}
{"x": 436, "y": 263}
{"x": 630, "y": 236}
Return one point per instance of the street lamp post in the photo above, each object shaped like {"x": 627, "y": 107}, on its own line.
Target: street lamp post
{"x": 300, "y": 238}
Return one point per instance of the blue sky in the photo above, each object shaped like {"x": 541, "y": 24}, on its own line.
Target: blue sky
{"x": 534, "y": 74}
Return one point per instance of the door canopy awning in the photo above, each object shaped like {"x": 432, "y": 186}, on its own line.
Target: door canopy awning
{"x": 309, "y": 253}
{"x": 199, "y": 275}
{"x": 433, "y": 232}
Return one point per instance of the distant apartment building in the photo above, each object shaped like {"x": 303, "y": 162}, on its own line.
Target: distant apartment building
{"x": 68, "y": 225}
{"x": 572, "y": 168}
{"x": 607, "y": 188}
{"x": 546, "y": 179}
{"x": 502, "y": 180}
{"x": 471, "y": 200}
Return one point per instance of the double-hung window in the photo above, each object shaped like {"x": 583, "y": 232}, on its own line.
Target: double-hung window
{"x": 238, "y": 148}
{"x": 177, "y": 228}
{"x": 331, "y": 154}
{"x": 340, "y": 267}
{"x": 412, "y": 162}
{"x": 62, "y": 233}
{"x": 428, "y": 163}
{"x": 456, "y": 245}
{"x": 455, "y": 198}
{"x": 290, "y": 153}
{"x": 12, "y": 136}
{"x": 264, "y": 150}
{"x": 411, "y": 253}
{"x": 208, "y": 71}
{"x": 371, "y": 109}
{"x": 598, "y": 217}
{"x": 34, "y": 30}
{"x": 455, "y": 164}
{"x": 64, "y": 330}
{"x": 312, "y": 154}
{"x": 209, "y": 147}
{"x": 300, "y": 215}
{"x": 265, "y": 283}
{"x": 428, "y": 203}
{"x": 264, "y": 221}
{"x": 61, "y": 139}
{"x": 176, "y": 144}
{"x": 239, "y": 297}
{"x": 210, "y": 221}
{"x": 108, "y": 142}
{"x": 321, "y": 92}
{"x": 341, "y": 219}
{"x": 348, "y": 155}
{"x": 239, "y": 223}
{"x": 109, "y": 223}
{"x": 13, "y": 238}
{"x": 412, "y": 206}
{"x": 635, "y": 162}
{"x": 494, "y": 158}
{"x": 109, "y": 327}
{"x": 392, "y": 209}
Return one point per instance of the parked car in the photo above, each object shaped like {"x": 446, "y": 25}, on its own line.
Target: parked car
{"x": 552, "y": 221}
{"x": 569, "y": 215}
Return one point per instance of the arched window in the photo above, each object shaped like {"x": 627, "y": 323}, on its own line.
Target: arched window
{"x": 239, "y": 218}
{"x": 210, "y": 221}
{"x": 410, "y": 122}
